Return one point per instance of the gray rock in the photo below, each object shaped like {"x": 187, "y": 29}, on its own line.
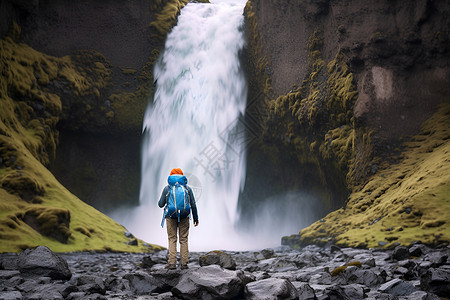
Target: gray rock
{"x": 418, "y": 250}
{"x": 220, "y": 258}
{"x": 142, "y": 283}
{"x": 41, "y": 261}
{"x": 76, "y": 296}
{"x": 167, "y": 279}
{"x": 397, "y": 287}
{"x": 400, "y": 253}
{"x": 10, "y": 295}
{"x": 267, "y": 253}
{"x": 6, "y": 274}
{"x": 210, "y": 282}
{"x": 344, "y": 292}
{"x": 147, "y": 262}
{"x": 271, "y": 288}
{"x": 437, "y": 259}
{"x": 304, "y": 290}
{"x": 436, "y": 281}
{"x": 420, "y": 295}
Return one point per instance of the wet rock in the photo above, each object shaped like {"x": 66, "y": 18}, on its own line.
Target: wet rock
{"x": 420, "y": 295}
{"x": 265, "y": 254}
{"x": 400, "y": 253}
{"x": 304, "y": 290}
{"x": 6, "y": 274}
{"x": 220, "y": 258}
{"x": 147, "y": 262}
{"x": 417, "y": 250}
{"x": 10, "y": 295}
{"x": 210, "y": 282}
{"x": 437, "y": 259}
{"x": 345, "y": 292}
{"x": 397, "y": 287}
{"x": 43, "y": 262}
{"x": 142, "y": 283}
{"x": 271, "y": 288}
{"x": 436, "y": 281}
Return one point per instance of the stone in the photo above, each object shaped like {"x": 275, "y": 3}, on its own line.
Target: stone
{"x": 437, "y": 259}
{"x": 345, "y": 292}
{"x": 142, "y": 283}
{"x": 419, "y": 295}
{"x": 147, "y": 262}
{"x": 304, "y": 290}
{"x": 41, "y": 261}
{"x": 210, "y": 282}
{"x": 11, "y": 295}
{"x": 220, "y": 258}
{"x": 6, "y": 274}
{"x": 271, "y": 288}
{"x": 397, "y": 287}
{"x": 436, "y": 281}
{"x": 417, "y": 250}
{"x": 76, "y": 296}
{"x": 400, "y": 253}
{"x": 267, "y": 253}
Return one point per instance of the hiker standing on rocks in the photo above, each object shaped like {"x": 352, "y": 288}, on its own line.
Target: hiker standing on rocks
{"x": 178, "y": 201}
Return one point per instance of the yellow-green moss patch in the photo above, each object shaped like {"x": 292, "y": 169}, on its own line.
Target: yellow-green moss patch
{"x": 35, "y": 209}
{"x": 402, "y": 203}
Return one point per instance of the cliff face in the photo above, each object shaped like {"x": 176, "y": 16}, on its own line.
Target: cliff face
{"x": 344, "y": 84}
{"x": 76, "y": 78}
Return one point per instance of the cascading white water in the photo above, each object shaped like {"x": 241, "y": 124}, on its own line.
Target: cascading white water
{"x": 193, "y": 124}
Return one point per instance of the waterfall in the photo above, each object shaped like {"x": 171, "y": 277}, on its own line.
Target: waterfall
{"x": 194, "y": 123}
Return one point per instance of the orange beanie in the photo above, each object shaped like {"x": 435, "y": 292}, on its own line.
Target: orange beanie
{"x": 176, "y": 171}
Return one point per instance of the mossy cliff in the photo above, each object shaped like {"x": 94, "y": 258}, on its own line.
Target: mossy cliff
{"x": 68, "y": 95}
{"x": 98, "y": 154}
{"x": 350, "y": 107}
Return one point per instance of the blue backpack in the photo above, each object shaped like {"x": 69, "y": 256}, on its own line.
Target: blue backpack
{"x": 178, "y": 206}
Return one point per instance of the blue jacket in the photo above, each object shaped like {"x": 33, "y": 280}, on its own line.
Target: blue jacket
{"x": 182, "y": 180}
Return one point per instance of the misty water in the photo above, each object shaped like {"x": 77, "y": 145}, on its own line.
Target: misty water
{"x": 194, "y": 123}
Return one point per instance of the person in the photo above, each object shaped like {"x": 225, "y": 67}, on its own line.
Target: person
{"x": 175, "y": 224}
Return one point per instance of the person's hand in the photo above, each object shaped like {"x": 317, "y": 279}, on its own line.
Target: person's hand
{"x": 195, "y": 223}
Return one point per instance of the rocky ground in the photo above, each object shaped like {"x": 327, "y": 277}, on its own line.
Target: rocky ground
{"x": 416, "y": 272}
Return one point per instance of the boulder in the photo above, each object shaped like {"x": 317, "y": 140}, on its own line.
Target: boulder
{"x": 142, "y": 283}
{"x": 400, "y": 253}
{"x": 220, "y": 258}
{"x": 437, "y": 259}
{"x": 436, "y": 281}
{"x": 271, "y": 288}
{"x": 345, "y": 292}
{"x": 210, "y": 282}
{"x": 41, "y": 261}
{"x": 420, "y": 295}
{"x": 397, "y": 287}
{"x": 11, "y": 295}
{"x": 305, "y": 291}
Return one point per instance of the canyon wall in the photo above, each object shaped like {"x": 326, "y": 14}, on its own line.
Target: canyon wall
{"x": 346, "y": 87}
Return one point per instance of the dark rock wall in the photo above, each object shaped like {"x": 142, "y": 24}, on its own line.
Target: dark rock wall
{"x": 397, "y": 53}
{"x": 397, "y": 50}
{"x": 99, "y": 130}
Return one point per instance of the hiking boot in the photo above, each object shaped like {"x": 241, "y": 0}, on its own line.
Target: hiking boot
{"x": 184, "y": 267}
{"x": 170, "y": 267}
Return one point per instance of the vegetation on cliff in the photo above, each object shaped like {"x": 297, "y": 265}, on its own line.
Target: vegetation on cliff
{"x": 392, "y": 200}
{"x": 35, "y": 208}
{"x": 405, "y": 202}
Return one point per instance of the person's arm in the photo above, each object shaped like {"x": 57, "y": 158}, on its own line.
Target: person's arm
{"x": 162, "y": 200}
{"x": 193, "y": 206}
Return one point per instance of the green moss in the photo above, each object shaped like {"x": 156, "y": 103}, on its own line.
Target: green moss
{"x": 316, "y": 118}
{"x": 167, "y": 16}
{"x": 401, "y": 203}
{"x": 35, "y": 209}
{"x": 339, "y": 270}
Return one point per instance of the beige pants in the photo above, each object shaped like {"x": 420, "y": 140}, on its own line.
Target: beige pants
{"x": 183, "y": 231}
